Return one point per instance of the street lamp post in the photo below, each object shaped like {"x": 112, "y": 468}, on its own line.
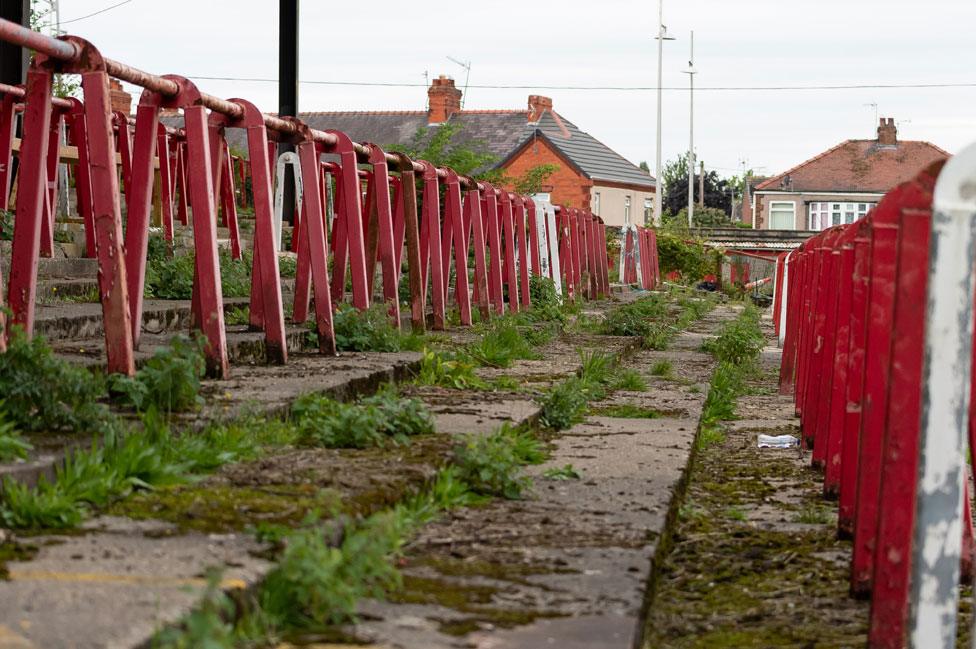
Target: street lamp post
{"x": 661, "y": 37}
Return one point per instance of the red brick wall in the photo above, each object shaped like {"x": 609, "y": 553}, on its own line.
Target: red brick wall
{"x": 566, "y": 186}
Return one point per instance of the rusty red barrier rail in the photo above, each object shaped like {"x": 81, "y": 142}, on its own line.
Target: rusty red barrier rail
{"x": 877, "y": 347}
{"x": 196, "y": 175}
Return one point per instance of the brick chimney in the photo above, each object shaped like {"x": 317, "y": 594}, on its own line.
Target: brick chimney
{"x": 121, "y": 100}
{"x": 887, "y": 132}
{"x": 537, "y": 105}
{"x": 443, "y": 100}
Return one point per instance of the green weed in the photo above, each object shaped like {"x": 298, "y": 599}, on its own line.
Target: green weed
{"x": 12, "y": 445}
{"x": 662, "y": 368}
{"x": 567, "y": 472}
{"x": 372, "y": 421}
{"x": 448, "y": 372}
{"x": 629, "y": 379}
{"x": 365, "y": 331}
{"x": 489, "y": 464}
{"x": 44, "y": 393}
{"x": 168, "y": 382}
{"x": 502, "y": 342}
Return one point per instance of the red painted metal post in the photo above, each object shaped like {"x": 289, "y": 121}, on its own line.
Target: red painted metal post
{"x": 534, "y": 242}
{"x": 183, "y": 204}
{"x": 430, "y": 244}
{"x": 818, "y": 390}
{"x": 8, "y": 121}
{"x": 107, "y": 211}
{"x": 508, "y": 229}
{"x": 882, "y": 265}
{"x": 22, "y": 287}
{"x": 78, "y": 133}
{"x": 495, "y": 290}
{"x": 787, "y": 371}
{"x": 165, "y": 180}
{"x": 210, "y": 317}
{"x": 832, "y": 417}
{"x": 228, "y": 203}
{"x": 350, "y": 247}
{"x": 605, "y": 260}
{"x": 51, "y": 171}
{"x": 266, "y": 310}
{"x": 860, "y": 276}
{"x": 899, "y": 461}
{"x": 454, "y": 223}
{"x": 138, "y": 200}
{"x": 473, "y": 221}
{"x": 518, "y": 214}
{"x": 407, "y": 217}
{"x": 316, "y": 244}
{"x": 383, "y": 237}
{"x": 566, "y": 261}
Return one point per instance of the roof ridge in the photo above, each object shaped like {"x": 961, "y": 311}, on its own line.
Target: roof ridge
{"x": 791, "y": 170}
{"x": 362, "y": 112}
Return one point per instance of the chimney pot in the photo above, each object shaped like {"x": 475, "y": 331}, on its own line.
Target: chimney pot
{"x": 887, "y": 132}
{"x": 443, "y": 100}
{"x": 120, "y": 99}
{"x": 538, "y": 105}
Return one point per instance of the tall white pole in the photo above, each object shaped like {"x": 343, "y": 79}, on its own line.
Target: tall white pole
{"x": 661, "y": 37}
{"x": 691, "y": 133}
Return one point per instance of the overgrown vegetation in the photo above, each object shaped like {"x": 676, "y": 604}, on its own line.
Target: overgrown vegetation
{"x": 679, "y": 251}
{"x": 44, "y": 393}
{"x": 168, "y": 382}
{"x": 737, "y": 347}
{"x": 449, "y": 371}
{"x": 12, "y": 445}
{"x": 170, "y": 277}
{"x": 565, "y": 403}
{"x": 129, "y": 460}
{"x": 489, "y": 464}
{"x": 371, "y": 421}
{"x": 369, "y": 331}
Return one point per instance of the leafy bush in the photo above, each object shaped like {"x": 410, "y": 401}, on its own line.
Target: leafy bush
{"x": 489, "y": 464}
{"x": 44, "y": 393}
{"x": 6, "y": 225}
{"x": 547, "y": 305}
{"x": 169, "y": 381}
{"x": 372, "y": 421}
{"x": 691, "y": 258}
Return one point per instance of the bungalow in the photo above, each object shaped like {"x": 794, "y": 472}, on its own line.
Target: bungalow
{"x": 841, "y": 184}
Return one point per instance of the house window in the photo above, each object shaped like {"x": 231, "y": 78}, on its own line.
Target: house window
{"x": 824, "y": 215}
{"x": 627, "y": 210}
{"x": 782, "y": 215}
{"x": 596, "y": 203}
{"x": 648, "y": 211}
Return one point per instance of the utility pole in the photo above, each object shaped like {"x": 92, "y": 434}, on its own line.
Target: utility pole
{"x": 662, "y": 35}
{"x": 288, "y": 90}
{"x": 701, "y": 185}
{"x": 691, "y": 72}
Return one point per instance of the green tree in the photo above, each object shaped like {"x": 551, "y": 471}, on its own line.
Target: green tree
{"x": 446, "y": 146}
{"x": 674, "y": 177}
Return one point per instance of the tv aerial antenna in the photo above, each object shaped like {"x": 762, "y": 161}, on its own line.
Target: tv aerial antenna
{"x": 467, "y": 75}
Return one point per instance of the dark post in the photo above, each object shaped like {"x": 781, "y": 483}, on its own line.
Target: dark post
{"x": 288, "y": 87}
{"x": 13, "y": 58}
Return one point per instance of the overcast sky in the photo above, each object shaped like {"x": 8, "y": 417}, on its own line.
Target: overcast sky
{"x": 744, "y": 43}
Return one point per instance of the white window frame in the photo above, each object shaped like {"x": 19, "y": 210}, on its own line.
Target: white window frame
{"x": 627, "y": 209}
{"x": 596, "y": 203}
{"x": 780, "y": 206}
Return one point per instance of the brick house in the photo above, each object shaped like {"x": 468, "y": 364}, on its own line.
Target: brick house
{"x": 590, "y": 173}
{"x": 841, "y": 184}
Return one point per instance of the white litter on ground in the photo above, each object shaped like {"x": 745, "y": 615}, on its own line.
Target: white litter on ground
{"x": 778, "y": 441}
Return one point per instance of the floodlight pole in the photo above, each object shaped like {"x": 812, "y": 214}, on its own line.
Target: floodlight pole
{"x": 691, "y": 72}
{"x": 661, "y": 37}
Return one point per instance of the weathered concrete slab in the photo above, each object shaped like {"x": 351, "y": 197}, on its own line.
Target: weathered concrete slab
{"x": 114, "y": 585}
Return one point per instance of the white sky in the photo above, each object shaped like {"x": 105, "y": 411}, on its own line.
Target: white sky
{"x": 603, "y": 43}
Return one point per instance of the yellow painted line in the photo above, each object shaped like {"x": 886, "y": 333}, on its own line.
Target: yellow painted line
{"x": 11, "y": 640}
{"x": 109, "y": 578}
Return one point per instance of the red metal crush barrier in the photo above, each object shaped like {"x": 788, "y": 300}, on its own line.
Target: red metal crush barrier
{"x": 197, "y": 172}
{"x": 851, "y": 304}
